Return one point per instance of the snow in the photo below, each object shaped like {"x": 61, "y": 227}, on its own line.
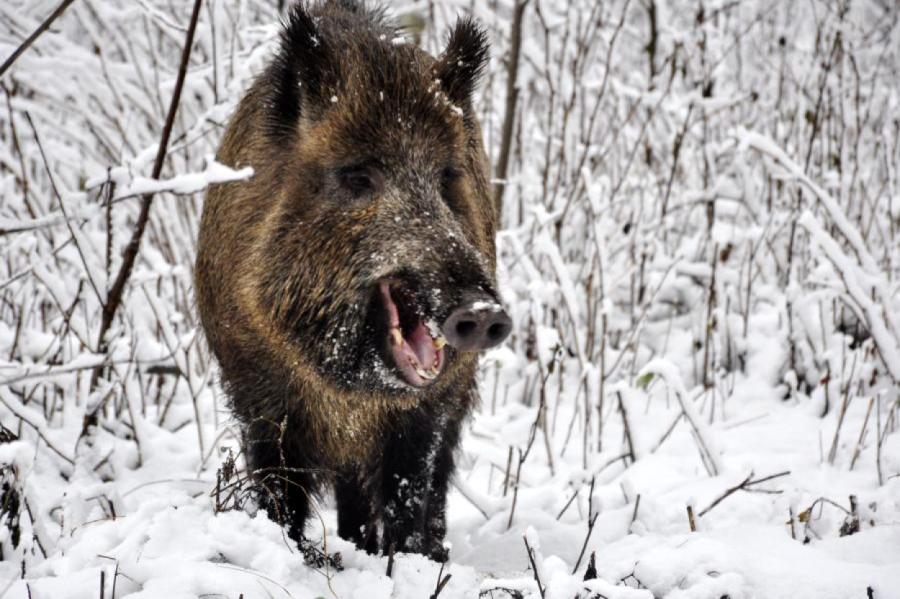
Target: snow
{"x": 484, "y": 306}
{"x": 189, "y": 183}
{"x": 659, "y": 360}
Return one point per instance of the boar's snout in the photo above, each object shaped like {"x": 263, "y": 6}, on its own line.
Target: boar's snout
{"x": 477, "y": 324}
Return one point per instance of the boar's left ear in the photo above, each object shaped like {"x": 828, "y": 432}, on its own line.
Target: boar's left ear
{"x": 460, "y": 66}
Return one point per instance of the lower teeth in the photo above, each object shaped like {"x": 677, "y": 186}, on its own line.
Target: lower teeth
{"x": 426, "y": 374}
{"x": 396, "y": 338}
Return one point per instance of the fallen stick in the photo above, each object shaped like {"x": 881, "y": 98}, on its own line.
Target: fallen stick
{"x": 742, "y": 486}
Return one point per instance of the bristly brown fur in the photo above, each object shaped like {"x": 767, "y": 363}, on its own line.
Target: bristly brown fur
{"x": 286, "y": 264}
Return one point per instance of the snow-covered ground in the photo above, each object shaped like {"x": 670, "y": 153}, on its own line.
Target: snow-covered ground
{"x": 700, "y": 251}
{"x": 166, "y": 540}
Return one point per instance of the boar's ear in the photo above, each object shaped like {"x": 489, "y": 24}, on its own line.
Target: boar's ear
{"x": 301, "y": 68}
{"x": 462, "y": 63}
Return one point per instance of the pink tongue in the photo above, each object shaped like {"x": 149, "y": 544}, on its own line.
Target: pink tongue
{"x": 423, "y": 346}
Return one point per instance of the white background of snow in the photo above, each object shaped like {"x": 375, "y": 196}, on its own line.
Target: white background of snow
{"x": 166, "y": 541}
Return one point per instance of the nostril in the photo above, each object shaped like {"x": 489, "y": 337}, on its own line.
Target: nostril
{"x": 464, "y": 328}
{"x": 497, "y": 331}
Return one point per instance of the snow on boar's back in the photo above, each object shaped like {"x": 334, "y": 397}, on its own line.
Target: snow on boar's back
{"x": 346, "y": 288}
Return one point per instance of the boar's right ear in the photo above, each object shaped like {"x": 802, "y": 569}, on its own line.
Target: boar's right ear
{"x": 462, "y": 63}
{"x": 300, "y": 70}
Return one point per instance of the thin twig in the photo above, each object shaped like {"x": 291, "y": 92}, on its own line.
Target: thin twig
{"x": 862, "y": 434}
{"x": 512, "y": 96}
{"x": 23, "y": 413}
{"x": 568, "y": 503}
{"x": 442, "y": 582}
{"x": 534, "y": 568}
{"x": 37, "y": 33}
{"x": 592, "y": 519}
{"x": 634, "y": 514}
{"x": 390, "y": 564}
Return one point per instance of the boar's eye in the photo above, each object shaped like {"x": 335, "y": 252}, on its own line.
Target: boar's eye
{"x": 449, "y": 177}
{"x": 360, "y": 180}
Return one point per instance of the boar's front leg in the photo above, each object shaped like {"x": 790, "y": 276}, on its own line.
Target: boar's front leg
{"x": 355, "y": 507}
{"x": 283, "y": 481}
{"x": 408, "y": 467}
{"x": 436, "y": 512}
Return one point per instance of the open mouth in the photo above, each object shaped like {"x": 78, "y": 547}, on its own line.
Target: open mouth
{"x": 416, "y": 348}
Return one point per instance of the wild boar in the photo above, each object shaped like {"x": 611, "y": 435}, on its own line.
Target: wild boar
{"x": 348, "y": 286}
